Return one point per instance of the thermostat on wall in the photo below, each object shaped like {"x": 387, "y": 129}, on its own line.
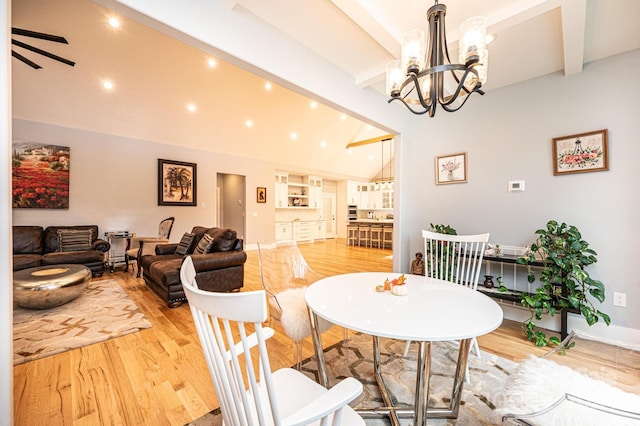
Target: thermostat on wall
{"x": 516, "y": 186}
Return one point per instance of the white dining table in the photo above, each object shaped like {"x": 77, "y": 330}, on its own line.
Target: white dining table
{"x": 433, "y": 310}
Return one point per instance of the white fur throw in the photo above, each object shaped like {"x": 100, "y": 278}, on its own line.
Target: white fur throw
{"x": 538, "y": 382}
{"x": 295, "y": 316}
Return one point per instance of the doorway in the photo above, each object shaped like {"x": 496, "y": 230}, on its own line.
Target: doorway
{"x": 231, "y": 202}
{"x": 329, "y": 214}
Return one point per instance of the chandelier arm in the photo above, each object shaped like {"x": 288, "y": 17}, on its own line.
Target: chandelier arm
{"x": 417, "y": 112}
{"x": 461, "y": 87}
{"x": 464, "y": 101}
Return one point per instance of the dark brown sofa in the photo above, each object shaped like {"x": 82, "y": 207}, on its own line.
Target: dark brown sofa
{"x": 220, "y": 270}
{"x": 35, "y": 246}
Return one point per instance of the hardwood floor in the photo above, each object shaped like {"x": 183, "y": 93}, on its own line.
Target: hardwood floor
{"x": 158, "y": 376}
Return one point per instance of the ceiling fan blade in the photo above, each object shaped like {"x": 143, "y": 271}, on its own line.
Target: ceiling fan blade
{"x": 25, "y": 60}
{"x": 42, "y": 52}
{"x": 34, "y": 34}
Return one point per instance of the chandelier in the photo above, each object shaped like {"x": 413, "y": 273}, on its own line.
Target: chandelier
{"x": 425, "y": 76}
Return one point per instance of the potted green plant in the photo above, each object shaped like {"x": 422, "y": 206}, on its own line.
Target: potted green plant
{"x": 565, "y": 282}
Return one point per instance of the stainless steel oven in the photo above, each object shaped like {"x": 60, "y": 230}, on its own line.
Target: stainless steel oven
{"x": 352, "y": 212}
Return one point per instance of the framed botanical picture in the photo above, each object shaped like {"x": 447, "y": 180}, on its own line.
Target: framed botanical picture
{"x": 177, "y": 183}
{"x": 451, "y": 168}
{"x": 581, "y": 153}
{"x": 261, "y": 195}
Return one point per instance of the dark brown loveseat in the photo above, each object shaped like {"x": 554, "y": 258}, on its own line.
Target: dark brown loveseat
{"x": 35, "y": 246}
{"x": 221, "y": 269}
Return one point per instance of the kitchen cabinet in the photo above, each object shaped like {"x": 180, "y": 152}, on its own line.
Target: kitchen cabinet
{"x": 315, "y": 192}
{"x": 353, "y": 196}
{"x": 298, "y": 191}
{"x": 281, "y": 190}
{"x": 319, "y": 230}
{"x": 302, "y": 231}
{"x": 284, "y": 231}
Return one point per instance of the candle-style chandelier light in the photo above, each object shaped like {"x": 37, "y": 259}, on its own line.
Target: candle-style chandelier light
{"x": 425, "y": 77}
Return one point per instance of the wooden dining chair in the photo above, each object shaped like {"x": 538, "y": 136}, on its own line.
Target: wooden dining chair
{"x": 454, "y": 258}
{"x": 139, "y": 246}
{"x": 233, "y": 340}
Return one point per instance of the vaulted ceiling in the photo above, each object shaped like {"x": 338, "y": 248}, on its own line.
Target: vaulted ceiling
{"x": 155, "y": 77}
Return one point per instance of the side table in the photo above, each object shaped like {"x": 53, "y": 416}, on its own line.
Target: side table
{"x": 119, "y": 241}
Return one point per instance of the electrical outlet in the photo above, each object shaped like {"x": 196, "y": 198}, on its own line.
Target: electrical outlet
{"x": 620, "y": 299}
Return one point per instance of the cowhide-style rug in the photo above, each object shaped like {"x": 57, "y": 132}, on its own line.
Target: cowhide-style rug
{"x": 102, "y": 312}
{"x": 354, "y": 358}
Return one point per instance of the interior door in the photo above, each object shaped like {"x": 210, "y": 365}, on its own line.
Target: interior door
{"x": 329, "y": 213}
{"x": 231, "y": 208}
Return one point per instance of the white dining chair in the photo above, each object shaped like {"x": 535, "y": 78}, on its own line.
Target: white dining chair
{"x": 284, "y": 397}
{"x": 454, "y": 258}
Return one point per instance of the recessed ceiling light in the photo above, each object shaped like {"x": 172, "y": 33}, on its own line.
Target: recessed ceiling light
{"x": 294, "y": 136}
{"x": 267, "y": 85}
{"x": 323, "y": 144}
{"x": 343, "y": 116}
{"x": 349, "y": 151}
{"x": 107, "y": 84}
{"x": 369, "y": 127}
{"x": 370, "y": 157}
{"x": 191, "y": 107}
{"x": 314, "y": 105}
{"x": 249, "y": 123}
{"x": 212, "y": 63}
{"x": 114, "y": 22}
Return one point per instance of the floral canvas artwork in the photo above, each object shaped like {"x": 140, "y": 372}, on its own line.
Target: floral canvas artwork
{"x": 451, "y": 168}
{"x": 584, "y": 152}
{"x": 40, "y": 176}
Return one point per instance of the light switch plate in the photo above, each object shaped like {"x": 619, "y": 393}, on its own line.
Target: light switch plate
{"x": 516, "y": 186}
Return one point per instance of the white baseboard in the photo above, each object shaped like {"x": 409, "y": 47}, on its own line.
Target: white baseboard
{"x": 629, "y": 336}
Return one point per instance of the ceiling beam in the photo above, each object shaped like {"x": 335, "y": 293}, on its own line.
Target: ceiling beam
{"x": 574, "y": 15}
{"x": 377, "y": 139}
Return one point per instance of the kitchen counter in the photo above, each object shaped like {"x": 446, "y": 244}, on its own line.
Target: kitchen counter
{"x": 370, "y": 221}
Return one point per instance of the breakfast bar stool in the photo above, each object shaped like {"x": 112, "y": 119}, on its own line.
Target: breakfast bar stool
{"x": 376, "y": 236}
{"x": 352, "y": 234}
{"x": 364, "y": 235}
{"x": 387, "y": 236}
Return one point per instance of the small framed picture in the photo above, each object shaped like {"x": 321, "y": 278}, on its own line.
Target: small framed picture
{"x": 261, "y": 195}
{"x": 451, "y": 168}
{"x": 176, "y": 183}
{"x": 581, "y": 153}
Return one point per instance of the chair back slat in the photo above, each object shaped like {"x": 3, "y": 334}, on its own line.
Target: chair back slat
{"x": 455, "y": 258}
{"x": 224, "y": 322}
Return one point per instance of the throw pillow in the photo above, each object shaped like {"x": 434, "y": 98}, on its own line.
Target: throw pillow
{"x": 74, "y": 239}
{"x": 223, "y": 239}
{"x": 185, "y": 244}
{"x": 204, "y": 246}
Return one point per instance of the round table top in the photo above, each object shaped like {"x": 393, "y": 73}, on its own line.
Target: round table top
{"x": 433, "y": 310}
{"x": 51, "y": 275}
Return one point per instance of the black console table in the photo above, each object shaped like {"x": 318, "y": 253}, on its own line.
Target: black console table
{"x": 514, "y": 296}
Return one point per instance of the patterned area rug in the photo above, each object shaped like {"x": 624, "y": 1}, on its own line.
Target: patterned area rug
{"x": 102, "y": 312}
{"x": 488, "y": 376}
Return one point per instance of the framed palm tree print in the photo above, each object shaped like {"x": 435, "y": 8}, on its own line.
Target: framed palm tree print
{"x": 177, "y": 183}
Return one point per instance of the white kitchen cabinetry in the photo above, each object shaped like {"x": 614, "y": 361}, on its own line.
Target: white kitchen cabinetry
{"x": 281, "y": 190}
{"x": 319, "y": 230}
{"x": 315, "y": 192}
{"x": 353, "y": 196}
{"x": 363, "y": 190}
{"x": 375, "y": 196}
{"x": 284, "y": 231}
{"x": 302, "y": 231}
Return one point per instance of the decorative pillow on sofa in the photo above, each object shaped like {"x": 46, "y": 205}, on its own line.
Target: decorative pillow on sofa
{"x": 74, "y": 239}
{"x": 223, "y": 239}
{"x": 204, "y": 245}
{"x": 185, "y": 244}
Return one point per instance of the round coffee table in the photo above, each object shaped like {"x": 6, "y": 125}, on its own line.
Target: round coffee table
{"x": 46, "y": 287}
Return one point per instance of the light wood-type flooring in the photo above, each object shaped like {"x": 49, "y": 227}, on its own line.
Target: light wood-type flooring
{"x": 158, "y": 376}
